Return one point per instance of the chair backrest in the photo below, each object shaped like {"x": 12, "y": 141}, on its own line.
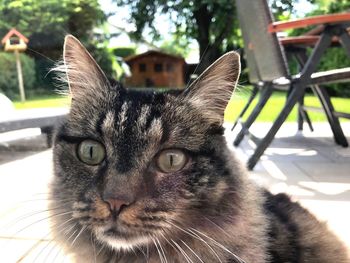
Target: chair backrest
{"x": 265, "y": 56}
{"x": 253, "y": 73}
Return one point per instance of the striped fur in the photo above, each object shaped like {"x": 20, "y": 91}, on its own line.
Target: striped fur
{"x": 206, "y": 212}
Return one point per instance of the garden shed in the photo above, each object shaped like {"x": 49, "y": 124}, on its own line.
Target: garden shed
{"x": 156, "y": 69}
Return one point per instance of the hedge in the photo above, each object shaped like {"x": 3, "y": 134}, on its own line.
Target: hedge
{"x": 8, "y": 74}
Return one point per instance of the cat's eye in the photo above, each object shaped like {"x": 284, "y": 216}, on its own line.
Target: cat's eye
{"x": 171, "y": 160}
{"x": 91, "y": 152}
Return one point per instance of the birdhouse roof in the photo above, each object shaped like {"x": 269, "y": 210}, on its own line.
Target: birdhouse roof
{"x": 12, "y": 32}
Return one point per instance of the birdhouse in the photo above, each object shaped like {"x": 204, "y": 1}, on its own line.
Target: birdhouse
{"x": 14, "y": 41}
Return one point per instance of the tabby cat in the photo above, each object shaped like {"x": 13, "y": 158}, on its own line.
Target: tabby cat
{"x": 147, "y": 177}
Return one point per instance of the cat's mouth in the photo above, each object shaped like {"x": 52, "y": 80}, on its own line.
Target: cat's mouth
{"x": 114, "y": 232}
{"x": 123, "y": 231}
{"x": 120, "y": 239}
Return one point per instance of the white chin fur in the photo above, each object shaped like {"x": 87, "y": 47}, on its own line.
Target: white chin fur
{"x": 120, "y": 243}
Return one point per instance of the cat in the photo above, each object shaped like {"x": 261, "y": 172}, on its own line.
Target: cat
{"x": 147, "y": 177}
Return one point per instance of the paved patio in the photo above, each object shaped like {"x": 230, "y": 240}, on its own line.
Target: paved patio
{"x": 309, "y": 166}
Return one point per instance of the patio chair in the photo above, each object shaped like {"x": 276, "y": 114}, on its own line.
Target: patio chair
{"x": 269, "y": 58}
{"x": 259, "y": 82}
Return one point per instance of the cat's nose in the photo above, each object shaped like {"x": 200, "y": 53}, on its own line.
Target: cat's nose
{"x": 117, "y": 205}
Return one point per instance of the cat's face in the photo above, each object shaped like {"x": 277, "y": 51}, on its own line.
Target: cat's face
{"x": 132, "y": 166}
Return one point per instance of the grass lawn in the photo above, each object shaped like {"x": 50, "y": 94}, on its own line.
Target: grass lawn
{"x": 275, "y": 105}
{"x": 43, "y": 102}
{"x": 236, "y": 104}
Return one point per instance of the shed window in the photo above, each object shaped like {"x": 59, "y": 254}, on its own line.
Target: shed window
{"x": 169, "y": 67}
{"x": 142, "y": 67}
{"x": 158, "y": 67}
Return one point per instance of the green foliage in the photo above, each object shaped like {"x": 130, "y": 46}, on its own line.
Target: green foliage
{"x": 124, "y": 51}
{"x": 44, "y": 80}
{"x": 212, "y": 24}
{"x": 334, "y": 6}
{"x": 334, "y": 57}
{"x": 283, "y": 9}
{"x": 46, "y": 23}
{"x": 104, "y": 58}
{"x": 9, "y": 80}
{"x": 55, "y": 17}
{"x": 177, "y": 45}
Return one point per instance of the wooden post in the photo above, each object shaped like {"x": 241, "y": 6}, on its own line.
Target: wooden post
{"x": 20, "y": 76}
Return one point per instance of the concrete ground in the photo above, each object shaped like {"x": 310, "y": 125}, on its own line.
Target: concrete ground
{"x": 308, "y": 166}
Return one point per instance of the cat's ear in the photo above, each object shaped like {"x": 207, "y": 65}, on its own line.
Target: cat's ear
{"x": 82, "y": 72}
{"x": 212, "y": 90}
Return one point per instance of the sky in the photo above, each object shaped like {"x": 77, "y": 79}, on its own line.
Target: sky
{"x": 163, "y": 26}
{"x": 120, "y": 20}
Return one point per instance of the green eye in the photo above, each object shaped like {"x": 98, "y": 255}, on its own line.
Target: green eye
{"x": 171, "y": 160}
{"x": 91, "y": 152}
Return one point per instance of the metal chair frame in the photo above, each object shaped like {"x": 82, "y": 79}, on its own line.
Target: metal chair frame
{"x": 296, "y": 88}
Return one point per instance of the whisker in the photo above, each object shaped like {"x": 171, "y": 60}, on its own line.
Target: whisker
{"x": 192, "y": 251}
{"x": 219, "y": 227}
{"x": 93, "y": 244}
{"x": 100, "y": 250}
{"x": 40, "y": 54}
{"x": 28, "y": 215}
{"x": 147, "y": 251}
{"x": 220, "y": 245}
{"x": 65, "y": 232}
{"x": 141, "y": 250}
{"x": 72, "y": 233}
{"x": 182, "y": 252}
{"x": 160, "y": 256}
{"x": 38, "y": 221}
{"x": 210, "y": 247}
{"x": 200, "y": 61}
{"x": 161, "y": 248}
{"x": 43, "y": 249}
{"x": 81, "y": 231}
{"x": 47, "y": 199}
{"x": 59, "y": 251}
{"x": 169, "y": 243}
{"x": 197, "y": 237}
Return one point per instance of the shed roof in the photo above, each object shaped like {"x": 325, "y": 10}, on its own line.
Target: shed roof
{"x": 150, "y": 53}
{"x": 12, "y": 32}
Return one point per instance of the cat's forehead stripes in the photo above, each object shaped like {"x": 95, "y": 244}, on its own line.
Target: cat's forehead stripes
{"x": 131, "y": 130}
{"x": 145, "y": 111}
{"x": 108, "y": 123}
{"x": 123, "y": 115}
{"x": 156, "y": 129}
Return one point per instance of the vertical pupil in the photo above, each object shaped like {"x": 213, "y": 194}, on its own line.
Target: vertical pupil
{"x": 171, "y": 159}
{"x": 90, "y": 152}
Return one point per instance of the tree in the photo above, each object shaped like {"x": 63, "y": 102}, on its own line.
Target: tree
{"x": 211, "y": 23}
{"x": 334, "y": 57}
{"x": 283, "y": 9}
{"x": 46, "y": 23}
{"x": 177, "y": 45}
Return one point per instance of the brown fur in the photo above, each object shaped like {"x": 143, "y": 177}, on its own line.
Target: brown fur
{"x": 208, "y": 211}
